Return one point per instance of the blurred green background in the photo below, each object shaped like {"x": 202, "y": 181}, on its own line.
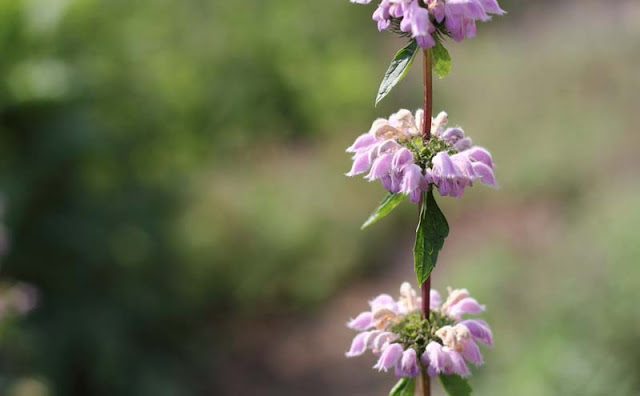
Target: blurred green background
{"x": 173, "y": 180}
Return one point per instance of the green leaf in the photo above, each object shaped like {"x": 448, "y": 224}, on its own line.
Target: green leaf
{"x": 397, "y": 70}
{"x": 404, "y": 387}
{"x": 455, "y": 385}
{"x": 388, "y": 204}
{"x": 441, "y": 60}
{"x": 430, "y": 234}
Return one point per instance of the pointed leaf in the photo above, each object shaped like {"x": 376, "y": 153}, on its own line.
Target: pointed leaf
{"x": 455, "y": 385}
{"x": 386, "y": 206}
{"x": 398, "y": 68}
{"x": 404, "y": 387}
{"x": 441, "y": 60}
{"x": 430, "y": 234}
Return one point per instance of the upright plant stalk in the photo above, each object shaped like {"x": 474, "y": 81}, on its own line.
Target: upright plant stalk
{"x": 409, "y": 162}
{"x": 425, "y": 388}
{"x": 428, "y": 95}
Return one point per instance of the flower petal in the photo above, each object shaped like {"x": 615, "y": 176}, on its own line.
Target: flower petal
{"x": 362, "y": 142}
{"x": 480, "y": 154}
{"x": 479, "y": 330}
{"x": 409, "y": 363}
{"x": 463, "y": 144}
{"x": 389, "y": 357}
{"x": 465, "y": 306}
{"x": 485, "y": 174}
{"x": 381, "y": 167}
{"x": 452, "y": 135}
{"x": 435, "y": 357}
{"x": 358, "y": 345}
{"x": 456, "y": 364}
{"x": 361, "y": 163}
{"x": 383, "y": 300}
{"x": 361, "y": 322}
{"x": 471, "y": 352}
{"x": 434, "y": 299}
{"x": 401, "y": 158}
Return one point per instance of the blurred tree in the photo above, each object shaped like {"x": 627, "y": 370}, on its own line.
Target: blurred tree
{"x": 109, "y": 113}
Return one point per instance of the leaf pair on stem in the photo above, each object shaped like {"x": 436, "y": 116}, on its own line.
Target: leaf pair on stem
{"x": 430, "y": 234}
{"x": 402, "y": 62}
{"x": 453, "y": 384}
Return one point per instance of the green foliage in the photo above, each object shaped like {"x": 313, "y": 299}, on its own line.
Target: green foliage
{"x": 404, "y": 387}
{"x": 398, "y": 69}
{"x": 441, "y": 60}
{"x": 386, "y": 206}
{"x": 150, "y": 189}
{"x": 430, "y": 235}
{"x": 455, "y": 385}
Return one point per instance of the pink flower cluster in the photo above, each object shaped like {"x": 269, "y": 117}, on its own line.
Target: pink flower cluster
{"x": 447, "y": 350}
{"x": 457, "y": 342}
{"x": 421, "y": 18}
{"x": 393, "y": 149}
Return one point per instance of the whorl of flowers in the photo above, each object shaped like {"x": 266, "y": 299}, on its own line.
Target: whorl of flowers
{"x": 424, "y": 19}
{"x": 393, "y": 151}
{"x": 403, "y": 340}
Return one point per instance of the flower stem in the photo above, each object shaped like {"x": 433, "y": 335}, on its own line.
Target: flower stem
{"x": 424, "y": 387}
{"x": 428, "y": 96}
{"x": 426, "y": 291}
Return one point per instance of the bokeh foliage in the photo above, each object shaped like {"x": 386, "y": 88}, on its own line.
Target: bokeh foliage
{"x": 140, "y": 148}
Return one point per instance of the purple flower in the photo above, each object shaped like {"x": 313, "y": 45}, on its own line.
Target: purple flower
{"x": 361, "y": 322}
{"x": 451, "y": 135}
{"x": 381, "y": 167}
{"x": 492, "y": 7}
{"x": 450, "y": 180}
{"x": 448, "y": 348}
{"x": 402, "y": 158}
{"x": 465, "y": 306}
{"x": 452, "y": 174}
{"x": 382, "y": 340}
{"x": 411, "y": 183}
{"x": 459, "y": 17}
{"x": 363, "y": 141}
{"x": 392, "y": 150}
{"x": 480, "y": 154}
{"x": 382, "y": 301}
{"x": 382, "y": 15}
{"x": 471, "y": 352}
{"x": 435, "y": 357}
{"x": 417, "y": 22}
{"x": 479, "y": 330}
{"x": 389, "y": 357}
{"x": 485, "y": 174}
{"x": 434, "y": 299}
{"x": 358, "y": 345}
{"x": 463, "y": 144}
{"x": 361, "y": 162}
{"x": 444, "y": 360}
{"x": 408, "y": 366}
{"x": 455, "y": 363}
